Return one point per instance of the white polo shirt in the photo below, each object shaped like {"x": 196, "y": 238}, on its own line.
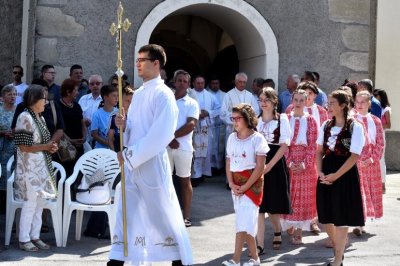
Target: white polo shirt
{"x": 188, "y": 107}
{"x": 89, "y": 105}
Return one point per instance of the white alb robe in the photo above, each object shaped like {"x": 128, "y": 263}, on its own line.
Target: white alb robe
{"x": 202, "y": 134}
{"x": 233, "y": 98}
{"x": 155, "y": 227}
{"x": 218, "y": 130}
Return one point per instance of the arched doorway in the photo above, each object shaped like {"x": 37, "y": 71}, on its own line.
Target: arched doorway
{"x": 253, "y": 38}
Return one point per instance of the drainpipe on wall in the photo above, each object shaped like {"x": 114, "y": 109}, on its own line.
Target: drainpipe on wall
{"x": 27, "y": 38}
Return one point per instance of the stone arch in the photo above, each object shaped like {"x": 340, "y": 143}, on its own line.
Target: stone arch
{"x": 253, "y": 37}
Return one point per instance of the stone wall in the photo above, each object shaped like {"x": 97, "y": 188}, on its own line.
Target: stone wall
{"x": 331, "y": 36}
{"x": 77, "y": 32}
{"x": 10, "y": 30}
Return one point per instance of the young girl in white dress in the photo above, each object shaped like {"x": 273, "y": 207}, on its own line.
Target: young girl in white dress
{"x": 245, "y": 157}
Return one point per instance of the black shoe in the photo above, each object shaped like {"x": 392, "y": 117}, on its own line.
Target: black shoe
{"x": 195, "y": 182}
{"x": 115, "y": 263}
{"x": 177, "y": 263}
{"x": 96, "y": 235}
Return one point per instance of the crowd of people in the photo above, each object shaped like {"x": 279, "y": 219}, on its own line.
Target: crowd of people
{"x": 300, "y": 156}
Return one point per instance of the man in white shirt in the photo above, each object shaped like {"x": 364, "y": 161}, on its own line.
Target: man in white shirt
{"x": 180, "y": 149}
{"x": 202, "y": 139}
{"x": 237, "y": 95}
{"x": 217, "y": 127}
{"x": 90, "y": 102}
{"x": 155, "y": 228}
{"x": 18, "y": 73}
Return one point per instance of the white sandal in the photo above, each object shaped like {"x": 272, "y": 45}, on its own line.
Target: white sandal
{"x": 28, "y": 246}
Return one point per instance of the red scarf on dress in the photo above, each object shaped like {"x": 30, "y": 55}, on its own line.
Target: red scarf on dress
{"x": 255, "y": 192}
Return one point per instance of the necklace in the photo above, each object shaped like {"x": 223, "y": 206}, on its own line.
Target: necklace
{"x": 70, "y": 105}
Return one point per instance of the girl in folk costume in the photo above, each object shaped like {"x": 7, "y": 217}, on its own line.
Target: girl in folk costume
{"x": 313, "y": 109}
{"x": 276, "y": 200}
{"x": 382, "y": 97}
{"x": 368, "y": 163}
{"x": 339, "y": 202}
{"x": 302, "y": 168}
{"x": 245, "y": 157}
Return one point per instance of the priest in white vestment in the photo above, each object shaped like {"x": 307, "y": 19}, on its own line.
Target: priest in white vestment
{"x": 202, "y": 134}
{"x": 155, "y": 226}
{"x": 217, "y": 128}
{"x": 237, "y": 95}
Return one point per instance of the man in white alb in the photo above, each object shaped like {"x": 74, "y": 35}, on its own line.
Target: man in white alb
{"x": 202, "y": 136}
{"x": 155, "y": 228}
{"x": 237, "y": 95}
{"x": 217, "y": 127}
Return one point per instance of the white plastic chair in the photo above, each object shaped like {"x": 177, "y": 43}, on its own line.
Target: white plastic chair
{"x": 9, "y": 166}
{"x": 55, "y": 206}
{"x": 88, "y": 163}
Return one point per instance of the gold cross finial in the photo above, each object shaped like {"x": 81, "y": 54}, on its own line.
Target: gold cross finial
{"x": 121, "y": 25}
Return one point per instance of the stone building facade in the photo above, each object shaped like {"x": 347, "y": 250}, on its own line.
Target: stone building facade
{"x": 265, "y": 38}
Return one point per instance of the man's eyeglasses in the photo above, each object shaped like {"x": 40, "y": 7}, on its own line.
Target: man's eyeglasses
{"x": 95, "y": 83}
{"x": 143, "y": 59}
{"x": 17, "y": 72}
{"x": 53, "y": 73}
{"x": 236, "y": 118}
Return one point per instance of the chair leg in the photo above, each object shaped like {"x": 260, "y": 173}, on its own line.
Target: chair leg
{"x": 111, "y": 223}
{"x": 9, "y": 223}
{"x": 79, "y": 219}
{"x": 57, "y": 227}
{"x": 66, "y": 222}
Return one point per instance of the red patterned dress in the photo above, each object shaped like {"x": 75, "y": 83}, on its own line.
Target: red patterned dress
{"x": 303, "y": 183}
{"x": 370, "y": 175}
{"x": 315, "y": 110}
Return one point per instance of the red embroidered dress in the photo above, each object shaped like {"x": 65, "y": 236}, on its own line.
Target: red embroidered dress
{"x": 303, "y": 183}
{"x": 370, "y": 175}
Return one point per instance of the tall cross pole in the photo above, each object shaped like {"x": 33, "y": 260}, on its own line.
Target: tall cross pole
{"x": 117, "y": 29}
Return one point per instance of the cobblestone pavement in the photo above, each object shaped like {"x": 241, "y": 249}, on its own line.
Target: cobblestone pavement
{"x": 212, "y": 237}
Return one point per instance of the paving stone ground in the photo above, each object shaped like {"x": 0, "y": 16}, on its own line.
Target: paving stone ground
{"x": 212, "y": 237}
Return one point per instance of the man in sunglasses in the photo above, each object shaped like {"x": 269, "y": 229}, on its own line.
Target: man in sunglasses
{"x": 18, "y": 73}
{"x": 90, "y": 102}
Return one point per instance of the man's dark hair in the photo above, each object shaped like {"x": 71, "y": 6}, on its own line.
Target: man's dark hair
{"x": 46, "y": 67}
{"x": 316, "y": 74}
{"x": 40, "y": 82}
{"x": 156, "y": 52}
{"x": 367, "y": 84}
{"x": 18, "y": 66}
{"x": 259, "y": 82}
{"x": 73, "y": 67}
{"x": 106, "y": 90}
{"x": 308, "y": 75}
{"x": 270, "y": 82}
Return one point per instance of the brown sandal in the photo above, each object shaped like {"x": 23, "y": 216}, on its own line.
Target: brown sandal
{"x": 28, "y": 246}
{"x": 40, "y": 244}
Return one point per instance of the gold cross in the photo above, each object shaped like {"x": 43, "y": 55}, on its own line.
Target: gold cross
{"x": 117, "y": 29}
